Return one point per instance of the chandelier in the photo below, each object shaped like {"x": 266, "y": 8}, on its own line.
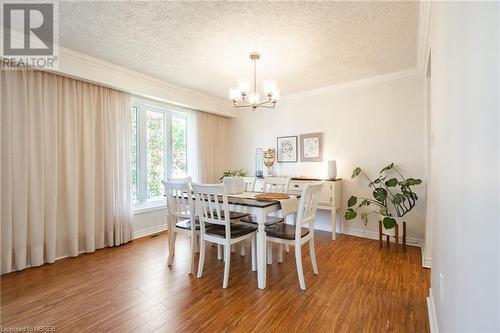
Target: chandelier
{"x": 247, "y": 97}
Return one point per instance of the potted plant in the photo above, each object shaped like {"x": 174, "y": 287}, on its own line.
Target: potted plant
{"x": 233, "y": 181}
{"x": 393, "y": 197}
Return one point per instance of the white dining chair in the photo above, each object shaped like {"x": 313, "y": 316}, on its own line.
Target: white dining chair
{"x": 249, "y": 183}
{"x": 302, "y": 231}
{"x": 181, "y": 216}
{"x": 276, "y": 184}
{"x": 213, "y": 208}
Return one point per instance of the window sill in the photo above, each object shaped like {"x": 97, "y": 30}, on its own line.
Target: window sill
{"x": 149, "y": 207}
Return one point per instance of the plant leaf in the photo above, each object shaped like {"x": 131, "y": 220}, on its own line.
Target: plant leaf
{"x": 390, "y": 166}
{"x": 352, "y": 201}
{"x": 380, "y": 194}
{"x": 350, "y": 214}
{"x": 389, "y": 222}
{"x": 391, "y": 182}
{"x": 364, "y": 217}
{"x": 356, "y": 172}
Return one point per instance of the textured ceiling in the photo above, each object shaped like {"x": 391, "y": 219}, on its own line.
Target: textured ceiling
{"x": 205, "y": 45}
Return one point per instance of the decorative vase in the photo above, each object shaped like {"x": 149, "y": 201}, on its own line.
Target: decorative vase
{"x": 332, "y": 169}
{"x": 258, "y": 163}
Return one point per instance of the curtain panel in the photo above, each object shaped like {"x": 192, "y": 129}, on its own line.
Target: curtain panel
{"x": 207, "y": 146}
{"x": 65, "y": 168}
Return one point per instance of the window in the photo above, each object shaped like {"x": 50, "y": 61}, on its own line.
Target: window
{"x": 159, "y": 149}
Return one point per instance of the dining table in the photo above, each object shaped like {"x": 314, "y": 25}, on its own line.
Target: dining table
{"x": 247, "y": 203}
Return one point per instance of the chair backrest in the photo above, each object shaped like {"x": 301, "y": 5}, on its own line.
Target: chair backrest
{"x": 308, "y": 206}
{"x": 180, "y": 201}
{"x": 249, "y": 183}
{"x": 212, "y": 205}
{"x": 181, "y": 180}
{"x": 276, "y": 184}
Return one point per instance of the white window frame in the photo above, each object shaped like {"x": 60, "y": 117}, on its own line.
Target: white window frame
{"x": 143, "y": 106}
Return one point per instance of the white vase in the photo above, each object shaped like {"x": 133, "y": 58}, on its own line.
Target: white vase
{"x": 233, "y": 185}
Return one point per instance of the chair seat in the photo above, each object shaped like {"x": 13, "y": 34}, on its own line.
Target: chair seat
{"x": 270, "y": 220}
{"x": 284, "y": 231}
{"x": 186, "y": 224}
{"x": 233, "y": 215}
{"x": 237, "y": 230}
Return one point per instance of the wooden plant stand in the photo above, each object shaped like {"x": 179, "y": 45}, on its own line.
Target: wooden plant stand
{"x": 396, "y": 235}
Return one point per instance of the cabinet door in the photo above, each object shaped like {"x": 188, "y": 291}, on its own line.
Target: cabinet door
{"x": 326, "y": 195}
{"x": 259, "y": 185}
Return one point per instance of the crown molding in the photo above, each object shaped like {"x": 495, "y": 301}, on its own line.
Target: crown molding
{"x": 356, "y": 83}
{"x": 163, "y": 91}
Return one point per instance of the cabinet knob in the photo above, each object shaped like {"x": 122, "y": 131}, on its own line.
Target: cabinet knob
{"x": 295, "y": 185}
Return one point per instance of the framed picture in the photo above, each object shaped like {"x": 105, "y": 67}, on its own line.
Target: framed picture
{"x": 311, "y": 149}
{"x": 287, "y": 149}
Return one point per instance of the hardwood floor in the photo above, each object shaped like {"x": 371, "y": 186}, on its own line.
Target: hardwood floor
{"x": 360, "y": 288}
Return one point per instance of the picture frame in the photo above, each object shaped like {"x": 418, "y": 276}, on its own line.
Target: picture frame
{"x": 287, "y": 149}
{"x": 311, "y": 147}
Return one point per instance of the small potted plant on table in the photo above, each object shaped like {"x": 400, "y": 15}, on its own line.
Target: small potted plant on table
{"x": 393, "y": 198}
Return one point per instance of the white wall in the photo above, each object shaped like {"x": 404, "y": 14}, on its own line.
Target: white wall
{"x": 367, "y": 126}
{"x": 465, "y": 166}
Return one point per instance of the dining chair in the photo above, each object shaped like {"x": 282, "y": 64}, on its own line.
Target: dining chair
{"x": 303, "y": 230}
{"x": 276, "y": 184}
{"x": 181, "y": 216}
{"x": 249, "y": 183}
{"x": 213, "y": 208}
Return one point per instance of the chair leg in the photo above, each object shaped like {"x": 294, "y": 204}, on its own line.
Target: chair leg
{"x": 202, "y": 258}
{"x": 171, "y": 246}
{"x": 227, "y": 259}
{"x": 298, "y": 263}
{"x": 287, "y": 248}
{"x": 313, "y": 256}
{"x": 280, "y": 253}
{"x": 219, "y": 252}
{"x": 197, "y": 244}
{"x": 191, "y": 253}
{"x": 269, "y": 253}
{"x": 254, "y": 256}
{"x": 242, "y": 250}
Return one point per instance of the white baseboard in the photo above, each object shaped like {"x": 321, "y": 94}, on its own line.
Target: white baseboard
{"x": 149, "y": 231}
{"x": 374, "y": 235}
{"x": 426, "y": 261}
{"x": 433, "y": 324}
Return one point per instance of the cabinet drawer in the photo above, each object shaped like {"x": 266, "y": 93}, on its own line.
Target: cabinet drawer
{"x": 296, "y": 186}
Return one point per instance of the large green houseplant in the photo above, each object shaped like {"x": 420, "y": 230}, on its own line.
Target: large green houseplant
{"x": 392, "y": 197}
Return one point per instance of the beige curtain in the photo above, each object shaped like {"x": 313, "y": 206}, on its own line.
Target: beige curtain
{"x": 207, "y": 146}
{"x": 65, "y": 168}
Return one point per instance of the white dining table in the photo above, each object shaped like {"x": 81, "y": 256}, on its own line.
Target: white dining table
{"x": 246, "y": 203}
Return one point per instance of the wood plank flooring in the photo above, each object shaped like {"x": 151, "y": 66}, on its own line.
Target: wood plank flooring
{"x": 360, "y": 288}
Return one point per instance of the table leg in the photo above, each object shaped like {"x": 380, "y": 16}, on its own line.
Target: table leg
{"x": 261, "y": 250}
{"x": 334, "y": 223}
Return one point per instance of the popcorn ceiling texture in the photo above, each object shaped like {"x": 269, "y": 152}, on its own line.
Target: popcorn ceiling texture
{"x": 205, "y": 45}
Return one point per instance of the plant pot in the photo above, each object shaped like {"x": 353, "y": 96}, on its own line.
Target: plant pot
{"x": 233, "y": 185}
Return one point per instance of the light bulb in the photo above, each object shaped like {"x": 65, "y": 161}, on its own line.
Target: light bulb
{"x": 253, "y": 98}
{"x": 234, "y": 94}
{"x": 244, "y": 86}
{"x": 269, "y": 86}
